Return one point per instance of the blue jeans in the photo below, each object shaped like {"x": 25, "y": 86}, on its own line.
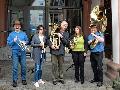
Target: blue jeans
{"x": 18, "y": 56}
{"x": 38, "y": 71}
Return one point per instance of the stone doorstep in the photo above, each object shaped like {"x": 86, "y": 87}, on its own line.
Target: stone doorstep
{"x": 114, "y": 66}
{"x": 113, "y": 70}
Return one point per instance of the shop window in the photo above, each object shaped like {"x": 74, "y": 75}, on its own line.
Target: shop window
{"x": 38, "y": 3}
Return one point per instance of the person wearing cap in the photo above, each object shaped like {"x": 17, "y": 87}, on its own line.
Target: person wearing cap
{"x": 96, "y": 43}
{"x": 18, "y": 53}
{"x": 39, "y": 42}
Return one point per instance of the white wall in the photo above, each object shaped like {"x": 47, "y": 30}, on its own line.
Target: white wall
{"x": 115, "y": 31}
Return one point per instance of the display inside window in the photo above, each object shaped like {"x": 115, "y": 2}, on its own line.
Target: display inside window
{"x": 36, "y": 18}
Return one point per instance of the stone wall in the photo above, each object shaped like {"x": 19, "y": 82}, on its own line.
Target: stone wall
{"x": 5, "y": 53}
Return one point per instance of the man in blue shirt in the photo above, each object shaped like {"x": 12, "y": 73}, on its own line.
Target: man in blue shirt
{"x": 96, "y": 43}
{"x": 18, "y": 53}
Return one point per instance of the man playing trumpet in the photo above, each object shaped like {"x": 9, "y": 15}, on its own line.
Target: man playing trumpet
{"x": 18, "y": 53}
{"x": 57, "y": 53}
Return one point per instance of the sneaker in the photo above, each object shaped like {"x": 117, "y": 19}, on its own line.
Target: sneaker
{"x": 14, "y": 84}
{"x": 36, "y": 84}
{"x": 41, "y": 81}
{"x": 24, "y": 82}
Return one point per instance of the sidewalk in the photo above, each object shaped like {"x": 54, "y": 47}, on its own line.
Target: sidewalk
{"x": 6, "y": 80}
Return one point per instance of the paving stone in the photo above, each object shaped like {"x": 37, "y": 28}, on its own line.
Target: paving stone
{"x": 6, "y": 80}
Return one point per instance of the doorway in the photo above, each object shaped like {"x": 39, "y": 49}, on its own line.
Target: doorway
{"x": 72, "y": 16}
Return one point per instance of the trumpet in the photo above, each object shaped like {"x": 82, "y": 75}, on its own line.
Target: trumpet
{"x": 22, "y": 45}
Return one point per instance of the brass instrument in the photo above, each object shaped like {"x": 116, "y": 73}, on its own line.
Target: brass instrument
{"x": 54, "y": 37}
{"x": 98, "y": 17}
{"x": 22, "y": 45}
{"x": 72, "y": 43}
{"x": 93, "y": 43}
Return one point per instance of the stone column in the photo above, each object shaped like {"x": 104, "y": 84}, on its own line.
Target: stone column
{"x": 3, "y": 22}
{"x": 26, "y": 22}
{"x": 113, "y": 66}
{"x": 3, "y": 26}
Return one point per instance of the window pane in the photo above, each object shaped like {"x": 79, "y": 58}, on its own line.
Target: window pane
{"x": 39, "y": 3}
{"x": 36, "y": 18}
{"x": 57, "y": 2}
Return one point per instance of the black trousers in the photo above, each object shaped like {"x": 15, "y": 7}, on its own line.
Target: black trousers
{"x": 96, "y": 64}
{"x": 78, "y": 60}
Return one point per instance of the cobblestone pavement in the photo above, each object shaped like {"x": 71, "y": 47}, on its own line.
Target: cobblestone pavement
{"x": 6, "y": 80}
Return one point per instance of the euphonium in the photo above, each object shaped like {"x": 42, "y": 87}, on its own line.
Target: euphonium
{"x": 55, "y": 39}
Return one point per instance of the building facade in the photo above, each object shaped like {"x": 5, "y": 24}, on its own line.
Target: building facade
{"x": 76, "y": 12}
{"x": 46, "y": 12}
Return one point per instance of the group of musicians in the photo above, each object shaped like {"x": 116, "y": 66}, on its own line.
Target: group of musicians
{"x": 78, "y": 44}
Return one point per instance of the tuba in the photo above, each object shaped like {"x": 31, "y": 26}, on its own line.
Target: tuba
{"x": 54, "y": 37}
{"x": 98, "y": 17}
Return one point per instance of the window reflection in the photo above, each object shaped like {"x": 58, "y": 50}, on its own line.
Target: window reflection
{"x": 68, "y": 3}
{"x": 38, "y": 3}
{"x": 36, "y": 18}
{"x": 57, "y": 3}
{"x": 73, "y": 3}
